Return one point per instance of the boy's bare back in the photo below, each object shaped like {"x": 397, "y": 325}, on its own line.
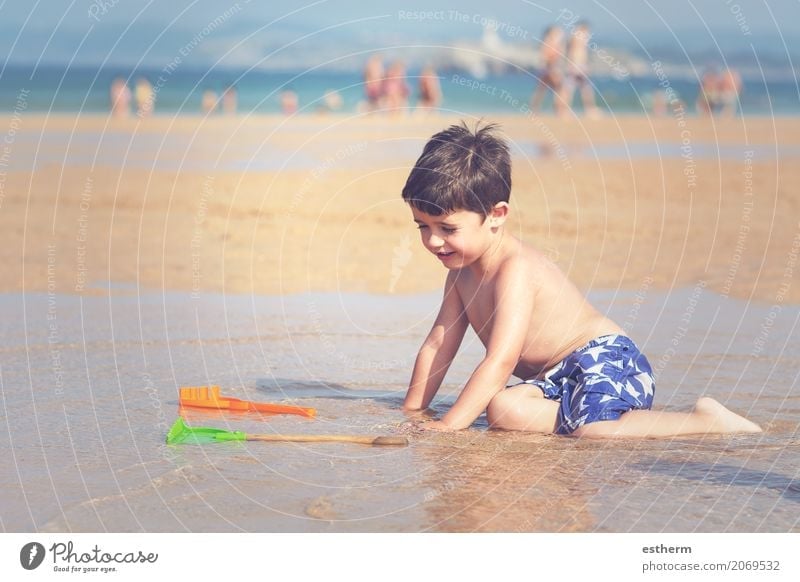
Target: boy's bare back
{"x": 561, "y": 319}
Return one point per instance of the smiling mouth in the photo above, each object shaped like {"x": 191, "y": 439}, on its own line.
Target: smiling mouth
{"x": 443, "y": 255}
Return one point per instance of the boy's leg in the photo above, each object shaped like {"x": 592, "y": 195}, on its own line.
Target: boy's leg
{"x": 523, "y": 407}
{"x": 708, "y": 416}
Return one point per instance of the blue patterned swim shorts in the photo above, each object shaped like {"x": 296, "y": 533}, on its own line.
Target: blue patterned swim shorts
{"x": 600, "y": 381}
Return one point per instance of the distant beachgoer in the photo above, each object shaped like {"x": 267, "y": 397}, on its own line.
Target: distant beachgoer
{"x": 395, "y": 89}
{"x": 728, "y": 89}
{"x": 229, "y": 100}
{"x": 708, "y": 97}
{"x": 331, "y": 101}
{"x": 659, "y": 103}
{"x": 120, "y": 98}
{"x": 551, "y": 77}
{"x": 145, "y": 98}
{"x": 577, "y": 70}
{"x": 289, "y": 102}
{"x": 210, "y": 101}
{"x": 430, "y": 90}
{"x": 373, "y": 82}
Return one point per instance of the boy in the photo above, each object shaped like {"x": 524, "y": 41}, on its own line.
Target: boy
{"x": 584, "y": 376}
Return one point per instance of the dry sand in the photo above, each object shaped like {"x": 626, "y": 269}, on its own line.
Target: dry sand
{"x": 334, "y": 220}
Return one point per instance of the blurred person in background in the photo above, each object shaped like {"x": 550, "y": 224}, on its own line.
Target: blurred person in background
{"x": 728, "y": 89}
{"x": 229, "y": 100}
{"x": 395, "y": 89}
{"x": 145, "y": 98}
{"x": 120, "y": 98}
{"x": 373, "y": 83}
{"x": 708, "y": 97}
{"x": 209, "y": 102}
{"x": 289, "y": 101}
{"x": 430, "y": 90}
{"x": 577, "y": 71}
{"x": 551, "y": 77}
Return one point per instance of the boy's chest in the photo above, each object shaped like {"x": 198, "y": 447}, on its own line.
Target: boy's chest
{"x": 479, "y": 304}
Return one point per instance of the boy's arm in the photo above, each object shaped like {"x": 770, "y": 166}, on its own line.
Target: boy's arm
{"x": 514, "y": 296}
{"x": 438, "y": 349}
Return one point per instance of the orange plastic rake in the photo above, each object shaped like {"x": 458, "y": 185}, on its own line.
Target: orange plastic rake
{"x": 209, "y": 397}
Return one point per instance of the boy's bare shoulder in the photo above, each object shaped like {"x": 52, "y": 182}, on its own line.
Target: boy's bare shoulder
{"x": 529, "y": 262}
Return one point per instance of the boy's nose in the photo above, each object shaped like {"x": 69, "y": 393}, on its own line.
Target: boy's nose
{"x": 435, "y": 241}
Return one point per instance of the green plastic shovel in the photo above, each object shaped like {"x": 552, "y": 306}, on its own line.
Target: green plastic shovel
{"x": 183, "y": 433}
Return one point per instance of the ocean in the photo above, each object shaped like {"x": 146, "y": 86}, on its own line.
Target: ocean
{"x": 86, "y": 90}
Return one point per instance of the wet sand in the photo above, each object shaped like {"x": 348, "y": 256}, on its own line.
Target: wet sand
{"x": 275, "y": 258}
{"x": 86, "y": 417}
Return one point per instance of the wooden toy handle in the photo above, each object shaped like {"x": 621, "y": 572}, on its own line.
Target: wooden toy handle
{"x": 331, "y": 438}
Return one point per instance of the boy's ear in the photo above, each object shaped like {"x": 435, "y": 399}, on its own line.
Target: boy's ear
{"x": 498, "y": 214}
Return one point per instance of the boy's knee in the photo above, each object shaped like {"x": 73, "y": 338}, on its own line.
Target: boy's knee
{"x": 522, "y": 409}
{"x": 504, "y": 410}
{"x": 498, "y": 407}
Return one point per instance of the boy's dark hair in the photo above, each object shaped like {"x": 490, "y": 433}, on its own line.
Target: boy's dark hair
{"x": 460, "y": 169}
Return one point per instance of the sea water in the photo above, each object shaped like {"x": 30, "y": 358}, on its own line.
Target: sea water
{"x": 51, "y": 89}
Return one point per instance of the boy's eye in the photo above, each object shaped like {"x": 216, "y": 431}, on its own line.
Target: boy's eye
{"x": 445, "y": 229}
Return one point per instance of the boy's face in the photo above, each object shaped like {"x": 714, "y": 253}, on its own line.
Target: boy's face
{"x": 457, "y": 239}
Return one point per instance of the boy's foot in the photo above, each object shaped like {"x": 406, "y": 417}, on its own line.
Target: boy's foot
{"x": 724, "y": 420}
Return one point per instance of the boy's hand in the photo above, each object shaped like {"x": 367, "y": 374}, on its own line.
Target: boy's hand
{"x": 412, "y": 427}
{"x": 418, "y": 415}
{"x": 436, "y": 425}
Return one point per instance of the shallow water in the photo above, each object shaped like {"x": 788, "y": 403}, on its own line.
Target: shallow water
{"x": 89, "y": 389}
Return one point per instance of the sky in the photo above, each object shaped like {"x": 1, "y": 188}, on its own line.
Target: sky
{"x": 284, "y": 34}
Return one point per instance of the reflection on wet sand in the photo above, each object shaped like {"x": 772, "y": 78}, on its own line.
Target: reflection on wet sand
{"x": 785, "y": 485}
{"x": 503, "y": 482}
